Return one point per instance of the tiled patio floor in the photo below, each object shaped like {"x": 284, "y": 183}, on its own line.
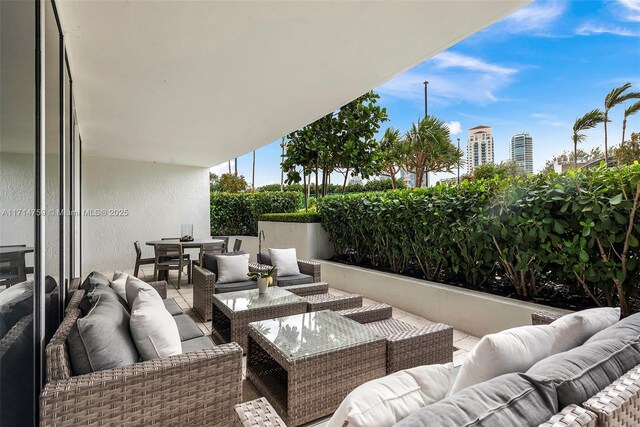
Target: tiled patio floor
{"x": 462, "y": 341}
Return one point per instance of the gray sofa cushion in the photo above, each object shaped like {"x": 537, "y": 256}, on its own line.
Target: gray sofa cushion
{"x": 264, "y": 258}
{"x": 508, "y": 400}
{"x": 238, "y": 286}
{"x": 196, "y": 344}
{"x": 187, "y": 327}
{"x": 16, "y": 302}
{"x": 93, "y": 279}
{"x": 89, "y": 298}
{"x": 296, "y": 279}
{"x": 172, "y": 306}
{"x": 210, "y": 262}
{"x": 582, "y": 372}
{"x": 628, "y": 329}
{"x": 101, "y": 339}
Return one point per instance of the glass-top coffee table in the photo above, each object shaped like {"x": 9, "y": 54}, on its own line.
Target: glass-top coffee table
{"x": 233, "y": 311}
{"x": 306, "y": 364}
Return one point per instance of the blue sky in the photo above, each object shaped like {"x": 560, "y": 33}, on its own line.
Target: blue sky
{"x": 537, "y": 71}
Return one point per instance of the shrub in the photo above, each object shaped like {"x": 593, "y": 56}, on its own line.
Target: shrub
{"x": 304, "y": 217}
{"x": 238, "y": 213}
{"x": 583, "y": 226}
{"x": 229, "y": 183}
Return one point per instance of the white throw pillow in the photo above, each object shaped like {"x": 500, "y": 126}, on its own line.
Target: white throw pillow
{"x": 575, "y": 328}
{"x": 119, "y": 284}
{"x": 233, "y": 268}
{"x": 285, "y": 260}
{"x": 134, "y": 285}
{"x": 513, "y": 350}
{"x": 385, "y": 401}
{"x": 153, "y": 329}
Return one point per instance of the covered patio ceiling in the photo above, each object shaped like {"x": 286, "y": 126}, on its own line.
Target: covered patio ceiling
{"x": 200, "y": 82}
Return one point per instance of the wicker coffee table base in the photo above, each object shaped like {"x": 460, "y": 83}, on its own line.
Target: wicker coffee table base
{"x": 332, "y": 302}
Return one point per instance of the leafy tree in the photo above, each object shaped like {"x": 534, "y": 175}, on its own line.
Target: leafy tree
{"x": 628, "y": 112}
{"x": 503, "y": 170}
{"x": 394, "y": 153}
{"x": 589, "y": 121}
{"x": 228, "y": 183}
{"x": 616, "y": 97}
{"x": 431, "y": 149}
{"x": 628, "y": 152}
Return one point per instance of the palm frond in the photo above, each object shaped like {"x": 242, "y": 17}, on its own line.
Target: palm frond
{"x": 613, "y": 98}
{"x": 589, "y": 121}
{"x": 632, "y": 109}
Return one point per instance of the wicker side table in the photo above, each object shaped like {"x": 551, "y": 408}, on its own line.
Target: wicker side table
{"x": 256, "y": 413}
{"x": 332, "y": 302}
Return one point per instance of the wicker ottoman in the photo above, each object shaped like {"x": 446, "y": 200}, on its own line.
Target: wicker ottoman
{"x": 332, "y": 302}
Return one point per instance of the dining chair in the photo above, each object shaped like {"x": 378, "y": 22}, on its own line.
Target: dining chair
{"x": 165, "y": 262}
{"x": 175, "y": 255}
{"x": 236, "y": 245}
{"x": 139, "y": 260}
{"x": 226, "y": 242}
{"x": 209, "y": 248}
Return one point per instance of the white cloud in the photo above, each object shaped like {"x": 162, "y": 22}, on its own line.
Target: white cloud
{"x": 220, "y": 169}
{"x": 589, "y": 29}
{"x": 632, "y": 12}
{"x": 455, "y": 127}
{"x": 535, "y": 17}
{"x": 452, "y": 77}
{"x": 540, "y": 116}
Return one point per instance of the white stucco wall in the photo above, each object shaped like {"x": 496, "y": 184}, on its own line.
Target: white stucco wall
{"x": 310, "y": 240}
{"x": 158, "y": 197}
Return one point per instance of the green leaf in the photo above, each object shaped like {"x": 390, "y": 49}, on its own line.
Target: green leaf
{"x": 558, "y": 228}
{"x": 616, "y": 199}
{"x": 584, "y": 256}
{"x": 633, "y": 241}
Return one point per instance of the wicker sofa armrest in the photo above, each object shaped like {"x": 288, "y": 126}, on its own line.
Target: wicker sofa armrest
{"x": 259, "y": 268}
{"x": 309, "y": 289}
{"x": 572, "y": 416}
{"x": 619, "y": 403}
{"x": 179, "y": 390}
{"x": 204, "y": 286}
{"x": 368, "y": 313}
{"x": 256, "y": 413}
{"x": 544, "y": 317}
{"x": 311, "y": 268}
{"x": 161, "y": 287}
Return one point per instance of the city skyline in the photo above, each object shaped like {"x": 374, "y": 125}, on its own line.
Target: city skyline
{"x": 538, "y": 69}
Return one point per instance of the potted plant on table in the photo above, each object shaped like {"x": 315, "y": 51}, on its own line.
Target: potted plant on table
{"x": 264, "y": 279}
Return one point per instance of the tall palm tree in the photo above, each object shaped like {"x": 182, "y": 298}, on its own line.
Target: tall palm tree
{"x": 253, "y": 172}
{"x": 395, "y": 151}
{"x": 629, "y": 111}
{"x": 616, "y": 97}
{"x": 589, "y": 121}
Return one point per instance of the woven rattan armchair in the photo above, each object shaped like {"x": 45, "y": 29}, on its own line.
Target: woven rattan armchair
{"x": 204, "y": 286}
{"x": 407, "y": 346}
{"x": 197, "y": 388}
{"x": 311, "y": 268}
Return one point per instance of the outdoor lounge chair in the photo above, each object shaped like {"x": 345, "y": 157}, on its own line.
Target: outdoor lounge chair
{"x": 309, "y": 272}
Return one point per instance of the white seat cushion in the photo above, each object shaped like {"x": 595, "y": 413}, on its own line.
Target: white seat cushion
{"x": 233, "y": 268}
{"x": 119, "y": 284}
{"x": 285, "y": 260}
{"x": 513, "y": 350}
{"x": 576, "y": 328}
{"x": 385, "y": 401}
{"x": 153, "y": 329}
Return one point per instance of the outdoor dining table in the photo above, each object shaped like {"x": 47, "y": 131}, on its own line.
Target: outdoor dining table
{"x": 14, "y": 256}
{"x": 193, "y": 244}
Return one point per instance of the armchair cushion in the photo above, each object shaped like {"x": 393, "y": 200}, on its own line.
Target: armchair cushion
{"x": 628, "y": 329}
{"x": 264, "y": 258}
{"x": 187, "y": 328}
{"x": 154, "y": 330}
{"x": 576, "y": 328}
{"x": 285, "y": 260}
{"x": 135, "y": 285}
{"x": 232, "y": 269}
{"x": 237, "y": 286}
{"x": 101, "y": 339}
{"x": 172, "y": 306}
{"x": 296, "y": 279}
{"x": 210, "y": 261}
{"x": 197, "y": 344}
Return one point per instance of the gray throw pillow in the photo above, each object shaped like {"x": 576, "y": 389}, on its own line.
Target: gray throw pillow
{"x": 94, "y": 278}
{"x": 582, "y": 372}
{"x": 265, "y": 258}
{"x": 210, "y": 262}
{"x": 101, "y": 339}
{"x": 507, "y": 400}
{"x": 16, "y": 302}
{"x": 89, "y": 298}
{"x": 628, "y": 329}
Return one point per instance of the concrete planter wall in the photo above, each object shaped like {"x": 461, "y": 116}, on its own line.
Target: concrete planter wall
{"x": 309, "y": 239}
{"x": 474, "y": 312}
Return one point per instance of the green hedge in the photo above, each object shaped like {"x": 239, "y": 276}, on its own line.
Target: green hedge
{"x": 581, "y": 228}
{"x": 373, "y": 185}
{"x": 238, "y": 213}
{"x": 304, "y": 217}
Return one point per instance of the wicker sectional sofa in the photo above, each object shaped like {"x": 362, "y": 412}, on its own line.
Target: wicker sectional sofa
{"x": 197, "y": 387}
{"x": 616, "y": 404}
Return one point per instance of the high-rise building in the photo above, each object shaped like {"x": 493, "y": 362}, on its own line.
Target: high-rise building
{"x": 522, "y": 151}
{"x": 479, "y": 147}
